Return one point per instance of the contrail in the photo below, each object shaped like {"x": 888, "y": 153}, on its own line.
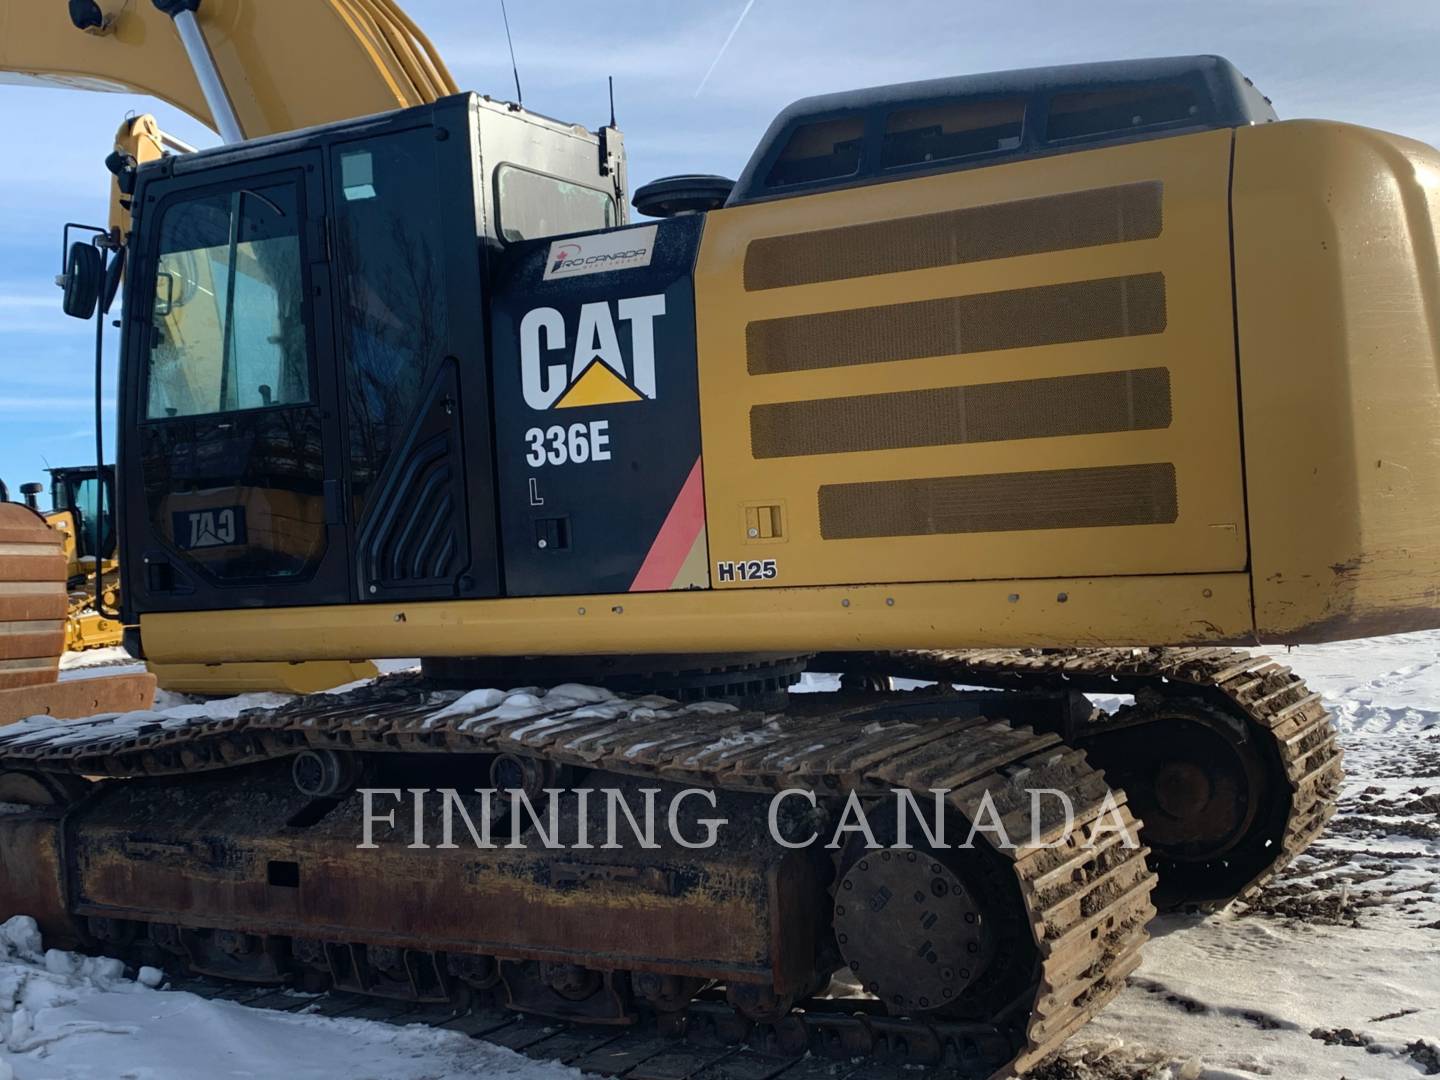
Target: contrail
{"x": 731, "y": 37}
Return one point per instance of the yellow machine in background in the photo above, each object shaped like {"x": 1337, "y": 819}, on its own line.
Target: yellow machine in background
{"x": 73, "y": 507}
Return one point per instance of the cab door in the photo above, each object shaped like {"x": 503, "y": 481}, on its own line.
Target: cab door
{"x": 230, "y": 464}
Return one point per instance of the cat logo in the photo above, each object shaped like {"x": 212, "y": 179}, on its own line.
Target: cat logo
{"x": 197, "y": 529}
{"x": 594, "y": 371}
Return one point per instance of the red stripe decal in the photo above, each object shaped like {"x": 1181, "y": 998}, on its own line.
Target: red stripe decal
{"x": 675, "y": 538}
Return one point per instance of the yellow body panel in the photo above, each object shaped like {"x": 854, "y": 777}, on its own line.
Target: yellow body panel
{"x": 1196, "y": 347}
{"x": 1338, "y": 294}
{"x": 1182, "y": 609}
{"x": 286, "y": 65}
{"x": 278, "y": 677}
{"x": 1337, "y": 290}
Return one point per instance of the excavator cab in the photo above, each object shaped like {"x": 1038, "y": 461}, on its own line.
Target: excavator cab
{"x": 306, "y": 352}
{"x": 78, "y": 491}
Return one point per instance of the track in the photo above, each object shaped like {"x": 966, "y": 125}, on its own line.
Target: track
{"x": 1084, "y": 906}
{"x": 1078, "y": 915}
{"x": 711, "y": 1050}
{"x": 1288, "y": 724}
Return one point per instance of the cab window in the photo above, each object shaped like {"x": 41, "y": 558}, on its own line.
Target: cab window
{"x": 1095, "y": 113}
{"x": 828, "y": 150}
{"x": 950, "y": 130}
{"x": 531, "y": 204}
{"x": 228, "y": 327}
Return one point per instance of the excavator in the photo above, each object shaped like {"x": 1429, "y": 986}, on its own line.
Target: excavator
{"x": 1029, "y": 386}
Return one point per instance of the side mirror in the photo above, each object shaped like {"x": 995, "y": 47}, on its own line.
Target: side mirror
{"x": 84, "y": 277}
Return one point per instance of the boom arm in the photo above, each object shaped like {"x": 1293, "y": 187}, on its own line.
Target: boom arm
{"x": 285, "y": 65}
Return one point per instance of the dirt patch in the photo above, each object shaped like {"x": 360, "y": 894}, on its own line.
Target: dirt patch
{"x": 1415, "y": 801}
{"x": 1426, "y": 1056}
{"x": 1340, "y": 1037}
{"x": 1375, "y": 829}
{"x": 1081, "y": 1065}
{"x": 1304, "y": 904}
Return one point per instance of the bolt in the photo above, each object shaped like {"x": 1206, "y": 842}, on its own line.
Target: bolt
{"x": 1014, "y": 598}
{"x": 581, "y": 610}
{"x": 1062, "y": 597}
{"x": 845, "y": 603}
{"x": 752, "y": 533}
{"x": 541, "y": 543}
{"x": 889, "y": 601}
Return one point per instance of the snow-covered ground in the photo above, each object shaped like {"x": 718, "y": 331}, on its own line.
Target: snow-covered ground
{"x": 1333, "y": 974}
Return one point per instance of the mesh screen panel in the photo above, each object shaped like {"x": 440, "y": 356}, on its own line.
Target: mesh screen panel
{"x": 1013, "y": 319}
{"x": 1076, "y": 219}
{"x": 1000, "y": 502}
{"x": 952, "y": 415}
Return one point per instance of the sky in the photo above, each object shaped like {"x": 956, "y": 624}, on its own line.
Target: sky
{"x": 1365, "y": 61}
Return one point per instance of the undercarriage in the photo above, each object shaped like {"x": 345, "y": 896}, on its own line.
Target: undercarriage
{"x": 841, "y": 906}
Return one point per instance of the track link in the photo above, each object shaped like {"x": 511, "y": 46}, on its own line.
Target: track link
{"x": 1085, "y": 891}
{"x": 1288, "y": 719}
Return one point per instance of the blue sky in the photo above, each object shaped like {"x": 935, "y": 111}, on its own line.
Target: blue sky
{"x": 1371, "y": 63}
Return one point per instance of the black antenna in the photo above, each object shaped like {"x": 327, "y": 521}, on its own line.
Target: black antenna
{"x": 612, "y": 101}
{"x": 519, "y": 97}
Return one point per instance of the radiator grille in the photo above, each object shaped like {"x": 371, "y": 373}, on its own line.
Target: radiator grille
{"x": 1077, "y": 219}
{"x": 952, "y": 415}
{"x": 1000, "y": 502}
{"x": 1013, "y": 319}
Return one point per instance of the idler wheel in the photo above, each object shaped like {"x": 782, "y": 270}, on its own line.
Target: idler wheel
{"x": 910, "y": 930}
{"x": 1193, "y": 776}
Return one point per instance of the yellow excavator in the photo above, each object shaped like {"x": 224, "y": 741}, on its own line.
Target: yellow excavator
{"x": 1044, "y": 383}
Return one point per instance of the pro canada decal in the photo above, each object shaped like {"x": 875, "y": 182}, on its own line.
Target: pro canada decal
{"x": 622, "y": 250}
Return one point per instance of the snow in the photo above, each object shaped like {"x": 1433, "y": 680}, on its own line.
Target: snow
{"x": 65, "y": 1017}
{"x": 1331, "y": 973}
{"x": 113, "y": 658}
